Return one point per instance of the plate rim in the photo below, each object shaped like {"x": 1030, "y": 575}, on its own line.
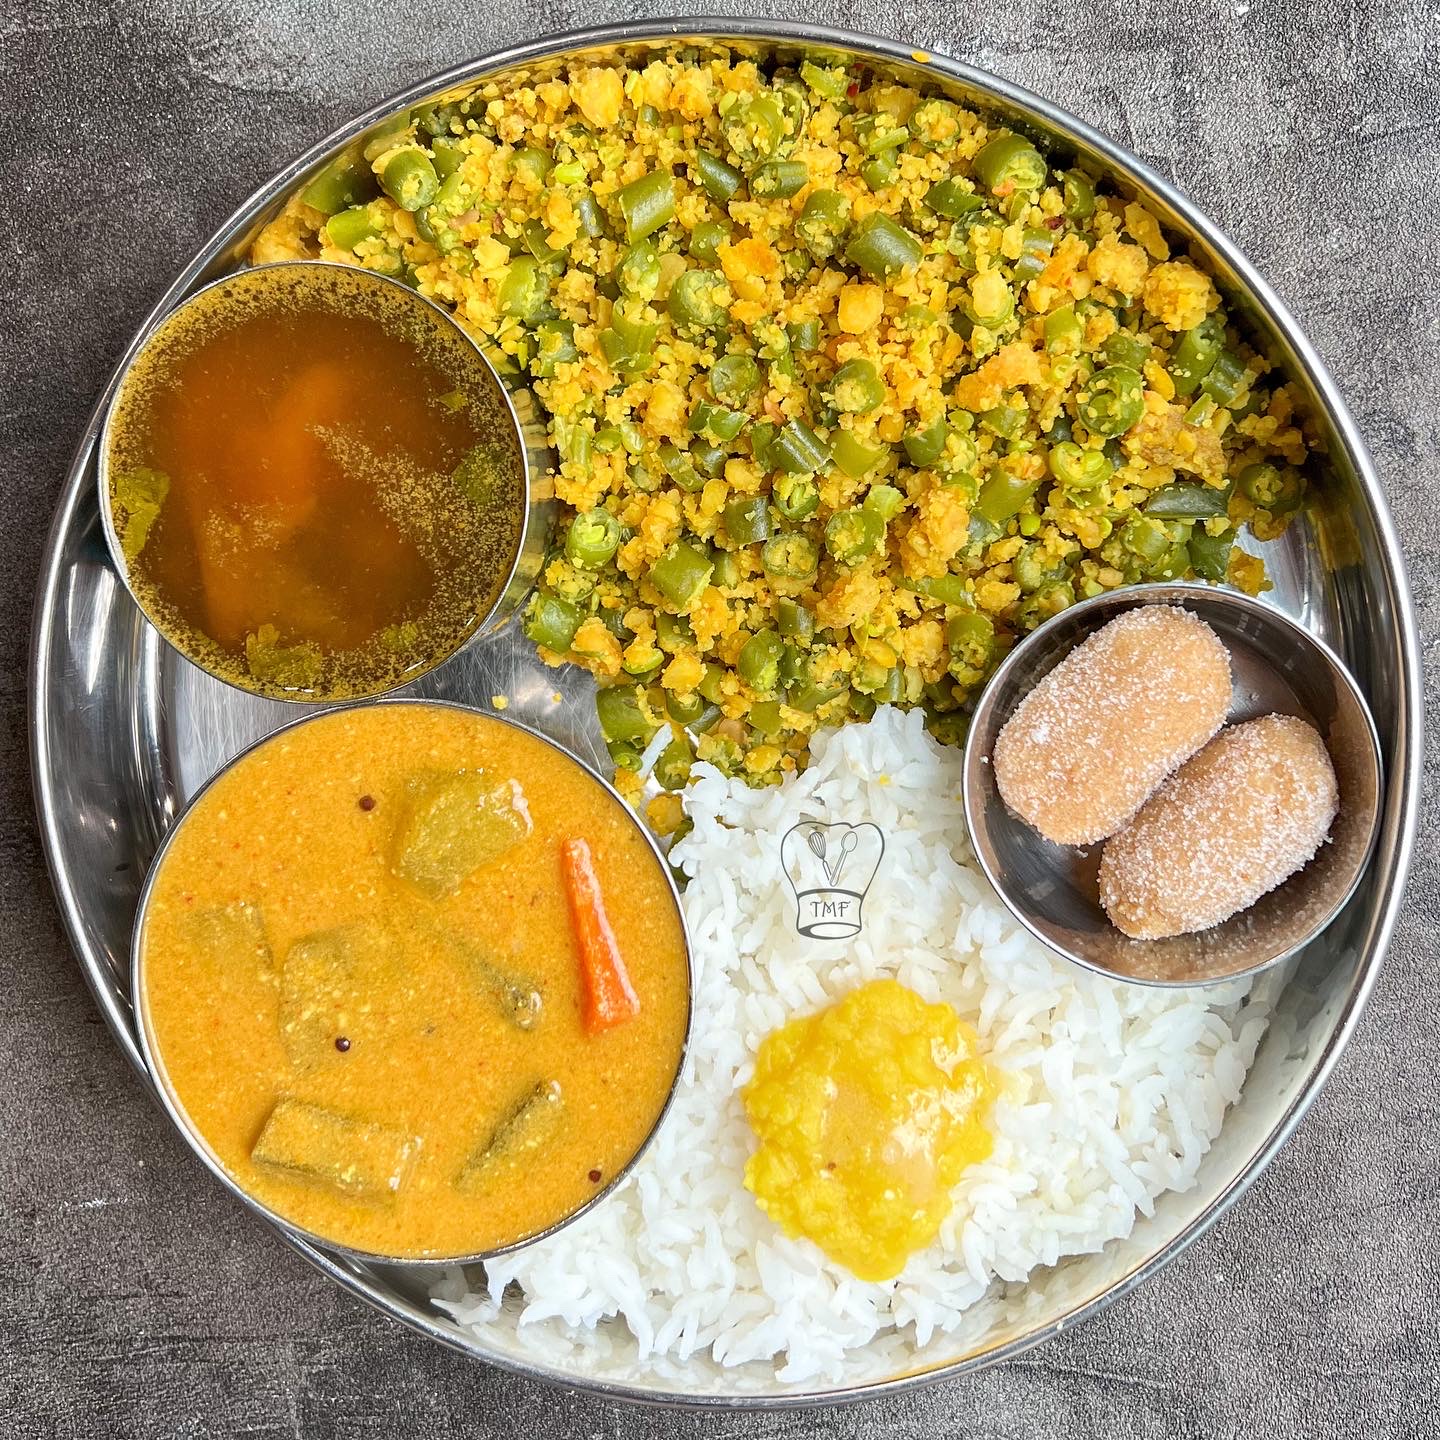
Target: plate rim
{"x": 1395, "y": 849}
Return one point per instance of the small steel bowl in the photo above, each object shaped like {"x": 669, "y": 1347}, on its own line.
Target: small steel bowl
{"x": 1278, "y": 667}
{"x": 190, "y": 1133}
{"x": 511, "y": 407}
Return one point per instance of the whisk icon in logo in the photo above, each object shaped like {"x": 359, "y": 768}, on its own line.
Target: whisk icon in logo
{"x": 816, "y": 857}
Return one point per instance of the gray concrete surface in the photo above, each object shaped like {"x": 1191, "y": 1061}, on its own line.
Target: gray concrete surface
{"x": 135, "y": 1299}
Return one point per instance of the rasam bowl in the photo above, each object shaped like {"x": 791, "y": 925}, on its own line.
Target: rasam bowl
{"x": 107, "y": 788}
{"x": 335, "y": 290}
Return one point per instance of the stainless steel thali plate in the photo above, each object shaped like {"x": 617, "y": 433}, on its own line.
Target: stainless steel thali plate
{"x": 123, "y": 731}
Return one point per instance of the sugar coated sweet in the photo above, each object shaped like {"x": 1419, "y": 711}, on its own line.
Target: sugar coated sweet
{"x": 1252, "y": 808}
{"x": 1088, "y": 745}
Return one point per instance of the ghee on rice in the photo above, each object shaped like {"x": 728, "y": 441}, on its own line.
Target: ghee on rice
{"x": 1112, "y": 1094}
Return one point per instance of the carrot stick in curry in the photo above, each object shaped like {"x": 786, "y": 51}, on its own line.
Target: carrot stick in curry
{"x": 610, "y": 998}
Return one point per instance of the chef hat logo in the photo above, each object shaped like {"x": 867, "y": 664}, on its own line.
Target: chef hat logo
{"x": 830, "y": 868}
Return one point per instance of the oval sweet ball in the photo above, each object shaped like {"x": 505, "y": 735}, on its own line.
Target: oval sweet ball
{"x": 1241, "y": 817}
{"x": 1088, "y": 745}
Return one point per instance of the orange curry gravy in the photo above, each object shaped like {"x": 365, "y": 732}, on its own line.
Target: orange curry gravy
{"x": 315, "y": 486}
{"x": 380, "y": 1039}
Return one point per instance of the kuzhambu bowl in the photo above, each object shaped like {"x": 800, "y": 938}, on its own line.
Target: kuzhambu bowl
{"x": 314, "y": 484}
{"x": 413, "y": 982}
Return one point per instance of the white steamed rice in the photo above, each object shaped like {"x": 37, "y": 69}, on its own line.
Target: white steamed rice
{"x": 1114, "y": 1091}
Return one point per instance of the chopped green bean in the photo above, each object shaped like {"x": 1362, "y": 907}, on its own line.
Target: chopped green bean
{"x": 885, "y": 501}
{"x": 346, "y": 181}
{"x": 857, "y": 387}
{"x": 706, "y": 239}
{"x": 924, "y": 445}
{"x": 747, "y": 520}
{"x": 1078, "y": 194}
{"x": 1112, "y": 400}
{"x": 880, "y": 247}
{"x": 851, "y": 535}
{"x": 1270, "y": 488}
{"x": 1196, "y": 354}
{"x": 853, "y": 456}
{"x": 759, "y": 661}
{"x": 592, "y": 539}
{"x": 953, "y": 198}
{"x": 734, "y": 379}
{"x": 639, "y": 270}
{"x": 525, "y": 289}
{"x": 797, "y": 449}
{"x": 720, "y": 181}
{"x": 623, "y": 715}
{"x": 693, "y": 303}
{"x": 681, "y": 574}
{"x": 1210, "y": 554}
{"x": 823, "y": 222}
{"x": 409, "y": 179}
{"x": 1003, "y": 495}
{"x": 716, "y": 421}
{"x": 552, "y": 622}
{"x": 796, "y": 496}
{"x": 779, "y": 179}
{"x": 1009, "y": 163}
{"x": 348, "y": 228}
{"x": 791, "y": 556}
{"x": 647, "y": 204}
{"x": 1187, "y": 501}
{"x": 795, "y": 622}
